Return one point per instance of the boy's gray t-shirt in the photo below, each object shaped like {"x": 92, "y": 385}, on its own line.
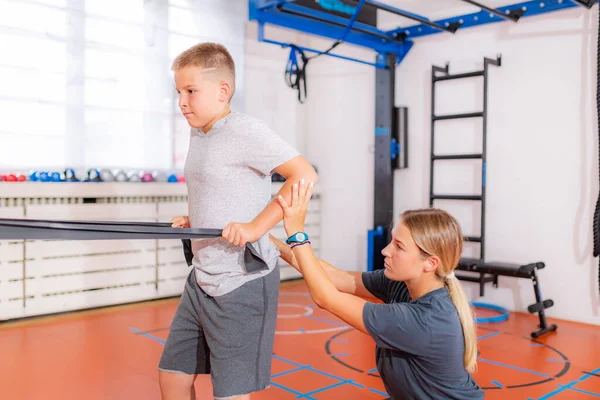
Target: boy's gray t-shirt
{"x": 420, "y": 343}
{"x": 228, "y": 175}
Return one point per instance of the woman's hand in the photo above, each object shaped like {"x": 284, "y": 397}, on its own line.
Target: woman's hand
{"x": 294, "y": 215}
{"x": 180, "y": 222}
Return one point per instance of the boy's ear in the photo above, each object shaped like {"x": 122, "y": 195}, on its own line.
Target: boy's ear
{"x": 224, "y": 91}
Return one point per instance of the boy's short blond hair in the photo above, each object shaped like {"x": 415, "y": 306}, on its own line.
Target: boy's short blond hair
{"x": 208, "y": 55}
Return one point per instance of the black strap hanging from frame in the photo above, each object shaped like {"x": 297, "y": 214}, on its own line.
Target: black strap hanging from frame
{"x": 597, "y": 211}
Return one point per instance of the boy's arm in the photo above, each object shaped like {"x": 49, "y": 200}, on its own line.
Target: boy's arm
{"x": 293, "y": 170}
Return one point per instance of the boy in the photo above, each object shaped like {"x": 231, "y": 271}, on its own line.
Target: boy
{"x": 225, "y": 321}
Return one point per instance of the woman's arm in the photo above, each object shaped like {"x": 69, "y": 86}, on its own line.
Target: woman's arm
{"x": 344, "y": 281}
{"x": 346, "y": 306}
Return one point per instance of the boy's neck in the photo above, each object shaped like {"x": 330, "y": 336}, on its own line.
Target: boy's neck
{"x": 226, "y": 112}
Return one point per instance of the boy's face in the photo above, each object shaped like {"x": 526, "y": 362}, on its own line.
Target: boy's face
{"x": 203, "y": 95}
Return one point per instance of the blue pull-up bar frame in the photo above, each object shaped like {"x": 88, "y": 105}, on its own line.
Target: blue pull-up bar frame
{"x": 286, "y": 14}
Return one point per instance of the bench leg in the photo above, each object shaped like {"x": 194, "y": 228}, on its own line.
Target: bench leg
{"x": 539, "y": 307}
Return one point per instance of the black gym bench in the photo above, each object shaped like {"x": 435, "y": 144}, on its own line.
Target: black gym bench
{"x": 489, "y": 272}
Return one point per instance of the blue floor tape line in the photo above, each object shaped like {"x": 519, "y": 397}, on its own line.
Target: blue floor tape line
{"x": 488, "y": 335}
{"x": 290, "y": 362}
{"x": 138, "y": 332}
{"x": 378, "y": 392}
{"x": 584, "y": 391}
{"x": 513, "y": 367}
{"x": 323, "y": 389}
{"x": 558, "y": 360}
{"x": 287, "y": 372}
{"x": 287, "y": 389}
{"x": 562, "y": 388}
{"x": 497, "y": 384}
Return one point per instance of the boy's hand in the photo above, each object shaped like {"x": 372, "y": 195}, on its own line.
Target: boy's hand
{"x": 240, "y": 234}
{"x": 180, "y": 222}
{"x": 294, "y": 215}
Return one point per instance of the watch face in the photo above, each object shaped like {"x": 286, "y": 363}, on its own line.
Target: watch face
{"x": 301, "y": 236}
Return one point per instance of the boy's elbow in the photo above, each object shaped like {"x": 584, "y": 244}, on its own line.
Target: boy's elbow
{"x": 312, "y": 176}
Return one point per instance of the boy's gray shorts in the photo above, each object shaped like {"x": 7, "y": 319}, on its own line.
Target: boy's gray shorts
{"x": 230, "y": 336}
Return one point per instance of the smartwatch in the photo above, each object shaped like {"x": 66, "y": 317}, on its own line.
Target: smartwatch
{"x": 297, "y": 237}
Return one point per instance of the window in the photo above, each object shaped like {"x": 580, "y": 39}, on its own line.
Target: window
{"x": 87, "y": 83}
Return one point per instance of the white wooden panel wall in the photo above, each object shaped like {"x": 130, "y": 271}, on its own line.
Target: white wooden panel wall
{"x": 50, "y": 276}
{"x": 12, "y": 303}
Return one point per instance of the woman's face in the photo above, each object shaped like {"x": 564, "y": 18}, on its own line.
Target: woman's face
{"x": 404, "y": 261}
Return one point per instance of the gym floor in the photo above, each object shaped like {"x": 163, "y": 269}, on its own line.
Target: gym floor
{"x": 112, "y": 353}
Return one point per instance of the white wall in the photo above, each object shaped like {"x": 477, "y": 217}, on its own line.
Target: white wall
{"x": 267, "y": 95}
{"x": 542, "y": 150}
{"x": 340, "y": 114}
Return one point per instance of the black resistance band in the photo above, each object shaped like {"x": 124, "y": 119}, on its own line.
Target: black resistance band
{"x": 30, "y": 229}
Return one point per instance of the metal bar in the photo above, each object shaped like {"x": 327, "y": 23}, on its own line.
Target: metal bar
{"x": 474, "y": 239}
{"x": 455, "y": 197}
{"x": 314, "y": 15}
{"x": 307, "y": 49}
{"x": 458, "y": 116}
{"x": 267, "y": 5}
{"x": 353, "y": 19}
{"x": 486, "y": 63}
{"x": 434, "y": 69}
{"x": 486, "y": 279}
{"x": 384, "y": 7}
{"x": 585, "y": 3}
{"x": 383, "y": 196}
{"x": 458, "y": 76}
{"x": 440, "y": 69}
{"x": 508, "y": 15}
{"x": 326, "y": 30}
{"x": 458, "y": 157}
{"x": 529, "y": 8}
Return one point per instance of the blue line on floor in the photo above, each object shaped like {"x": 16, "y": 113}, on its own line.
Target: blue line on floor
{"x": 488, "y": 335}
{"x": 138, "y": 332}
{"x": 287, "y": 372}
{"x": 584, "y": 391}
{"x": 290, "y": 362}
{"x": 378, "y": 392}
{"x": 341, "y": 355}
{"x": 560, "y": 360}
{"x": 535, "y": 345}
{"x": 324, "y": 388}
{"x": 513, "y": 367}
{"x": 288, "y": 389}
{"x": 497, "y": 384}
{"x": 373, "y": 371}
{"x": 562, "y": 388}
{"x": 339, "y": 340}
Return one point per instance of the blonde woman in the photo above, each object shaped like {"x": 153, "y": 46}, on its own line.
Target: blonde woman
{"x": 425, "y": 330}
